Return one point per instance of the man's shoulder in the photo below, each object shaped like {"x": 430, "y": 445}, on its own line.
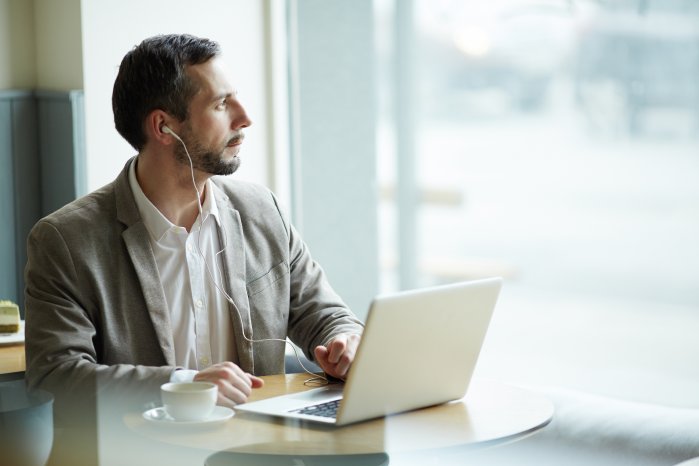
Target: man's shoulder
{"x": 255, "y": 204}
{"x": 245, "y": 195}
{"x": 87, "y": 210}
{"x": 242, "y": 190}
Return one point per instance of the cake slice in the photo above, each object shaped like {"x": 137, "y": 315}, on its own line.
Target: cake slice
{"x": 9, "y": 317}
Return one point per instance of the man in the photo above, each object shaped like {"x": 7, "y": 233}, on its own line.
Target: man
{"x": 170, "y": 272}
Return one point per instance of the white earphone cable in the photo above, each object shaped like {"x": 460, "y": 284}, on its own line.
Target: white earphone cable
{"x": 317, "y": 378}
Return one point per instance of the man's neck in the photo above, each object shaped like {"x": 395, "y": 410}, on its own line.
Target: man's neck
{"x": 168, "y": 185}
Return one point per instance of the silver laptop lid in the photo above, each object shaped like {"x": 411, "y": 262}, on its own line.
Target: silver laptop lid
{"x": 419, "y": 349}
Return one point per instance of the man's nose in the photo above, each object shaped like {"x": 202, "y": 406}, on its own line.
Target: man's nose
{"x": 241, "y": 119}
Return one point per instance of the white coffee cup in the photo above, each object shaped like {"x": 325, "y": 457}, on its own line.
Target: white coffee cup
{"x": 189, "y": 401}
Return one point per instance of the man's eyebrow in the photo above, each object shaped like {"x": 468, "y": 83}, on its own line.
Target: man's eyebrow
{"x": 223, "y": 95}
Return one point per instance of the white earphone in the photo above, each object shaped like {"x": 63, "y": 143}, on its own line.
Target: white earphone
{"x": 316, "y": 378}
{"x": 166, "y": 129}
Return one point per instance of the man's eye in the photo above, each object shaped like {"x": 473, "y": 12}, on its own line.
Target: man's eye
{"x": 221, "y": 105}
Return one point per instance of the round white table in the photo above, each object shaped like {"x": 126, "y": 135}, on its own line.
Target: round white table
{"x": 490, "y": 413}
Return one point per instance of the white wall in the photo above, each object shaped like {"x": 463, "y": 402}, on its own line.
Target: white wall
{"x": 17, "y": 45}
{"x": 112, "y": 27}
{"x": 59, "y": 61}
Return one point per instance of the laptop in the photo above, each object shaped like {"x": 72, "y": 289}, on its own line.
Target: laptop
{"x": 419, "y": 349}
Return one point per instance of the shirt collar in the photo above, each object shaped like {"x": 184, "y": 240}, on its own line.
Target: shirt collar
{"x": 210, "y": 207}
{"x": 155, "y": 222}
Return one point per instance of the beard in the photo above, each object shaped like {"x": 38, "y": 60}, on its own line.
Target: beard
{"x": 206, "y": 159}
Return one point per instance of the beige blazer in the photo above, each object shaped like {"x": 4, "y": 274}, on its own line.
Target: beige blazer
{"x": 96, "y": 315}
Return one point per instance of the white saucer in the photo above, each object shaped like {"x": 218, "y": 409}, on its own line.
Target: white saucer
{"x": 158, "y": 416}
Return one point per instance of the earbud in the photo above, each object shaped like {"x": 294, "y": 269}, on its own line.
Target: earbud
{"x": 166, "y": 129}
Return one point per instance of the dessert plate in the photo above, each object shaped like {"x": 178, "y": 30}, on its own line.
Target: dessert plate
{"x": 13, "y": 338}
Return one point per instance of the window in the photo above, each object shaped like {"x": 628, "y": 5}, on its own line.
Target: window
{"x": 554, "y": 143}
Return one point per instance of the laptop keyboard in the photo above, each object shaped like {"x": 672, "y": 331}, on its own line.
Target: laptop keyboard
{"x": 328, "y": 409}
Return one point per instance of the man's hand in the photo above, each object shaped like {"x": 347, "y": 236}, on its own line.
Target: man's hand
{"x": 234, "y": 385}
{"x": 335, "y": 358}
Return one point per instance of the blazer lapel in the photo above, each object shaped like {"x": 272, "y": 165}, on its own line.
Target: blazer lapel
{"x": 137, "y": 244}
{"x": 233, "y": 259}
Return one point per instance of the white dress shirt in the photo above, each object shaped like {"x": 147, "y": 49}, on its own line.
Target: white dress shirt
{"x": 199, "y": 313}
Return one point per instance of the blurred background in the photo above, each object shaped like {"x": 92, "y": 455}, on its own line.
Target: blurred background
{"x": 417, "y": 142}
{"x": 556, "y": 144}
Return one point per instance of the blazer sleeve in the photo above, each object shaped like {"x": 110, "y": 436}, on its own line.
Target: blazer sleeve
{"x": 316, "y": 312}
{"x": 62, "y": 342}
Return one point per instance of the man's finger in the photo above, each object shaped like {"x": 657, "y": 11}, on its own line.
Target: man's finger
{"x": 231, "y": 395}
{"x": 343, "y": 365}
{"x": 336, "y": 349}
{"x": 255, "y": 382}
{"x": 321, "y": 353}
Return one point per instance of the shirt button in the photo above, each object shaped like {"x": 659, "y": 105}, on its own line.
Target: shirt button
{"x": 199, "y": 303}
{"x": 205, "y": 361}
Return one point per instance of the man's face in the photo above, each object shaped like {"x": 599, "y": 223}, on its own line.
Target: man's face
{"x": 213, "y": 131}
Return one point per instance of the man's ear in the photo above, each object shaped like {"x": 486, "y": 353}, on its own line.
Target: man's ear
{"x": 154, "y": 124}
